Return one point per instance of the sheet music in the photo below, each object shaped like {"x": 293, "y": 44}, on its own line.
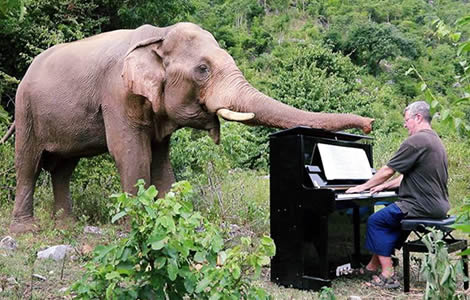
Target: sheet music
{"x": 342, "y": 162}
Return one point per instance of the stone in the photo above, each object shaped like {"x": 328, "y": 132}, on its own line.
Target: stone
{"x": 354, "y": 298}
{"x": 55, "y": 252}
{"x": 12, "y": 281}
{"x": 93, "y": 230}
{"x": 8, "y": 243}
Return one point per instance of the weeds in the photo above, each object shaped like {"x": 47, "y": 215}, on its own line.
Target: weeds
{"x": 172, "y": 252}
{"x": 438, "y": 269}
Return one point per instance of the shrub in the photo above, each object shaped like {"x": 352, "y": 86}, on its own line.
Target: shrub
{"x": 172, "y": 252}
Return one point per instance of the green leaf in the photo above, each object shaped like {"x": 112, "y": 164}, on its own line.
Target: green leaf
{"x": 215, "y": 296}
{"x": 263, "y": 261}
{"x": 172, "y": 269}
{"x": 423, "y": 86}
{"x": 157, "y": 245}
{"x": 455, "y": 37}
{"x": 110, "y": 290}
{"x": 464, "y": 47}
{"x": 118, "y": 216}
{"x": 446, "y": 275}
{"x": 159, "y": 262}
{"x": 200, "y": 256}
{"x": 444, "y": 114}
{"x": 150, "y": 212}
{"x": 112, "y": 275}
{"x": 125, "y": 268}
{"x": 204, "y": 283}
{"x": 236, "y": 272}
{"x": 463, "y": 21}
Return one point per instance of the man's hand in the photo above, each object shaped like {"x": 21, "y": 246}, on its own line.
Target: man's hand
{"x": 377, "y": 189}
{"x": 356, "y": 189}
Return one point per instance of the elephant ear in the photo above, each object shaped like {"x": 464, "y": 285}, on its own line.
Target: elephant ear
{"x": 143, "y": 71}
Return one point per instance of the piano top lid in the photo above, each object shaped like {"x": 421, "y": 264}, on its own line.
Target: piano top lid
{"x": 339, "y": 135}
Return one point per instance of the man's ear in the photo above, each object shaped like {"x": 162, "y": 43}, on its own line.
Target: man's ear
{"x": 143, "y": 71}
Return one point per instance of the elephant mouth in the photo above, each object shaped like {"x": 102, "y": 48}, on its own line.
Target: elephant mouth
{"x": 231, "y": 115}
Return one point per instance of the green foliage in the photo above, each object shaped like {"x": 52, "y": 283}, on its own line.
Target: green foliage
{"x": 438, "y": 270}
{"x": 133, "y": 14}
{"x": 327, "y": 294}
{"x": 463, "y": 221}
{"x": 7, "y": 164}
{"x": 370, "y": 43}
{"x": 172, "y": 252}
{"x": 92, "y": 181}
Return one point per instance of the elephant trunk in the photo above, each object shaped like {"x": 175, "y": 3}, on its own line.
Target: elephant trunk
{"x": 241, "y": 97}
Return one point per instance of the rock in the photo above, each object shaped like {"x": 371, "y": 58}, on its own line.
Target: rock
{"x": 354, "y": 298}
{"x": 40, "y": 277}
{"x": 55, "y": 252}
{"x": 63, "y": 290}
{"x": 93, "y": 230}
{"x": 8, "y": 243}
{"x": 12, "y": 281}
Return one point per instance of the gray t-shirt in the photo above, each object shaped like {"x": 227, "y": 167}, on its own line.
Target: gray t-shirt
{"x": 422, "y": 160}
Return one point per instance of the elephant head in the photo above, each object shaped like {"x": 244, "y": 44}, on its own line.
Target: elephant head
{"x": 189, "y": 80}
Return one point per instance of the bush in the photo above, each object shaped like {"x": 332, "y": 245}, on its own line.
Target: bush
{"x": 172, "y": 252}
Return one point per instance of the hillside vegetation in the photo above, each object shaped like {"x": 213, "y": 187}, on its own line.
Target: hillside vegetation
{"x": 368, "y": 57}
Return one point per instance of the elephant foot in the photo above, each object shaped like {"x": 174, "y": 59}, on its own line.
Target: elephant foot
{"x": 367, "y": 127}
{"x": 25, "y": 226}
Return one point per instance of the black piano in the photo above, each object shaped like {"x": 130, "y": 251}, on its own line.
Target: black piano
{"x": 318, "y": 229}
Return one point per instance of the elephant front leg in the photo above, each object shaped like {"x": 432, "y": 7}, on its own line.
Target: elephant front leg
{"x": 132, "y": 154}
{"x": 162, "y": 172}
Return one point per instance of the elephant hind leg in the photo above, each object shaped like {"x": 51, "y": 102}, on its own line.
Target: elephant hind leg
{"x": 27, "y": 172}
{"x": 61, "y": 174}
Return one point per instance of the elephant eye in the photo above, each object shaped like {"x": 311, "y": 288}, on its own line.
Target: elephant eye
{"x": 202, "y": 69}
{"x": 202, "y": 72}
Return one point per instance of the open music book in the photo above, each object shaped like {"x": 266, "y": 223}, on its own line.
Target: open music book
{"x": 340, "y": 162}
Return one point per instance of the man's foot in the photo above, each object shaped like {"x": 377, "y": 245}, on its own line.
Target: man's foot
{"x": 385, "y": 282}
{"x": 23, "y": 227}
{"x": 364, "y": 273}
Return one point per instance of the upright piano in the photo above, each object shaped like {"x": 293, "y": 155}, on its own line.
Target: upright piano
{"x": 318, "y": 229}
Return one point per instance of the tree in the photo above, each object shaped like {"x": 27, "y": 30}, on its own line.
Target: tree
{"x": 369, "y": 43}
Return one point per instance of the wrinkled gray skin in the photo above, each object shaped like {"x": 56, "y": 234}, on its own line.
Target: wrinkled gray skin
{"x": 126, "y": 92}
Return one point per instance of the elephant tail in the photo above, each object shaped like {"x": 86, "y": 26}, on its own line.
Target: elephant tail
{"x": 8, "y": 134}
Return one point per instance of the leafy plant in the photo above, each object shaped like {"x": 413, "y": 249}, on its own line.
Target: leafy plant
{"x": 439, "y": 271}
{"x": 327, "y": 293}
{"x": 172, "y": 252}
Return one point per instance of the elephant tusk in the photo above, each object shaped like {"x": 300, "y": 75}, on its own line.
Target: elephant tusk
{"x": 230, "y": 115}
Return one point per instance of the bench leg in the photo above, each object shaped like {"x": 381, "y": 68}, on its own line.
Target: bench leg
{"x": 406, "y": 268}
{"x": 465, "y": 270}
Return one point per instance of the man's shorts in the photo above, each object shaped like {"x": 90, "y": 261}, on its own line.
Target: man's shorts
{"x": 384, "y": 232}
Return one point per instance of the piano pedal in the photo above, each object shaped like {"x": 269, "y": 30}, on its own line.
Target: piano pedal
{"x": 344, "y": 270}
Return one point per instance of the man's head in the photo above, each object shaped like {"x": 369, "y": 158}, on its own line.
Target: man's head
{"x": 417, "y": 117}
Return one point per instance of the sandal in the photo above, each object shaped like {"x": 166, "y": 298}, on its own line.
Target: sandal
{"x": 364, "y": 273}
{"x": 385, "y": 282}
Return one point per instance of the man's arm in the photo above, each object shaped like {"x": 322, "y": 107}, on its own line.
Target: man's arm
{"x": 380, "y": 177}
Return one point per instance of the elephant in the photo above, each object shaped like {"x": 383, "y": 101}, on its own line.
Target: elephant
{"x": 125, "y": 92}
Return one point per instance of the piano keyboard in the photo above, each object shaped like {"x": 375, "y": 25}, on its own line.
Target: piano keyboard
{"x": 365, "y": 195}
